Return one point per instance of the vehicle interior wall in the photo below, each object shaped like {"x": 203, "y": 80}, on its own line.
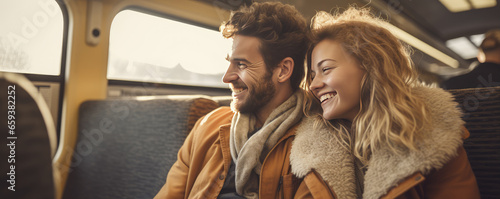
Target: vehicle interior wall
{"x": 86, "y": 54}
{"x": 85, "y": 77}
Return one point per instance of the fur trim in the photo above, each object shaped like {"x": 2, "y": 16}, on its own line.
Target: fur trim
{"x": 317, "y": 149}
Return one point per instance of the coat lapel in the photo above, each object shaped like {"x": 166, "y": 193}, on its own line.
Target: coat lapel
{"x": 315, "y": 147}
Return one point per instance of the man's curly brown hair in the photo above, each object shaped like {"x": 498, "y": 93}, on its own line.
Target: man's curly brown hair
{"x": 282, "y": 32}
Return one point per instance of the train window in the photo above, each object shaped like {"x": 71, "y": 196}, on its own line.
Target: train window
{"x": 31, "y": 36}
{"x": 149, "y": 48}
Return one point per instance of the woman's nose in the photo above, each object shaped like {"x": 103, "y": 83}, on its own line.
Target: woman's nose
{"x": 316, "y": 84}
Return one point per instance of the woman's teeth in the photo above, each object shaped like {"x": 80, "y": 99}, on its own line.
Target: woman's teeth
{"x": 326, "y": 96}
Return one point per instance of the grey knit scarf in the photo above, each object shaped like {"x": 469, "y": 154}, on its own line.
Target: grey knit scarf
{"x": 248, "y": 153}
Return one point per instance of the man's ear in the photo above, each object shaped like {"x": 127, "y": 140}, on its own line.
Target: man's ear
{"x": 285, "y": 69}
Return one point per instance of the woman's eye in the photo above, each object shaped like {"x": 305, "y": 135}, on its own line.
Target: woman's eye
{"x": 326, "y": 69}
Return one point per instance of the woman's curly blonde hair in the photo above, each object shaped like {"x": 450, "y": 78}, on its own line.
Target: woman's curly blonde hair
{"x": 389, "y": 114}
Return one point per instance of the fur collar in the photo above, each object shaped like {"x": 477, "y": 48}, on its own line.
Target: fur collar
{"x": 318, "y": 149}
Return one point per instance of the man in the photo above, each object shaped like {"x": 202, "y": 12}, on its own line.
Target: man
{"x": 486, "y": 74}
{"x": 242, "y": 152}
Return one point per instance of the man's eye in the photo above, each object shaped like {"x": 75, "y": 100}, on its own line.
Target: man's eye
{"x": 241, "y": 65}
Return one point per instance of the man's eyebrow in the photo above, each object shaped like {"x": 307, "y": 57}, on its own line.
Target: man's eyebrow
{"x": 237, "y": 59}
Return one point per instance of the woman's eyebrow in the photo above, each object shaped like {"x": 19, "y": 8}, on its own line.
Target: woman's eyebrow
{"x": 323, "y": 61}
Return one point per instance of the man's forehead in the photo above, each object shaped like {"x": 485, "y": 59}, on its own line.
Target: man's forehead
{"x": 245, "y": 47}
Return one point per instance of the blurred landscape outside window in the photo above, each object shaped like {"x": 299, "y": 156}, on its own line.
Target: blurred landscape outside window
{"x": 31, "y": 36}
{"x": 149, "y": 48}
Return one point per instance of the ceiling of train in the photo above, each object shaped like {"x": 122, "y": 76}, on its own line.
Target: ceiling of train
{"x": 428, "y": 20}
{"x": 430, "y": 15}
{"x": 433, "y": 16}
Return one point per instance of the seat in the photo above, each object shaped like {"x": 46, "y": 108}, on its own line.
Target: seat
{"x": 28, "y": 149}
{"x": 126, "y": 147}
{"x": 481, "y": 107}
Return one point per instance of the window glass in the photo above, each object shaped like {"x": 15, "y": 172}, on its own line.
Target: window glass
{"x": 149, "y": 48}
{"x": 31, "y": 36}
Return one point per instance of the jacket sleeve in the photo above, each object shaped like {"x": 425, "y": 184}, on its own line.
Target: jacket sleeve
{"x": 175, "y": 186}
{"x": 454, "y": 180}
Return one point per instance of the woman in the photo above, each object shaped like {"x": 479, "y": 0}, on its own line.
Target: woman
{"x": 383, "y": 135}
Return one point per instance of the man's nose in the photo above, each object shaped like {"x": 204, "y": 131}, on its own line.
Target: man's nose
{"x": 230, "y": 75}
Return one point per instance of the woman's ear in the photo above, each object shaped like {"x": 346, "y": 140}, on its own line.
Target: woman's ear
{"x": 285, "y": 69}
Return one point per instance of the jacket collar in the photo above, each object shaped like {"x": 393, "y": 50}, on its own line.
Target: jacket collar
{"x": 319, "y": 150}
{"x": 315, "y": 147}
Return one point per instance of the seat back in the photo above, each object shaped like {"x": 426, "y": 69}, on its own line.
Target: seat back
{"x": 126, "y": 147}
{"x": 481, "y": 107}
{"x": 28, "y": 140}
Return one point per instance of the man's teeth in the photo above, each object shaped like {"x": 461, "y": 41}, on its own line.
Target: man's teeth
{"x": 238, "y": 90}
{"x": 326, "y": 96}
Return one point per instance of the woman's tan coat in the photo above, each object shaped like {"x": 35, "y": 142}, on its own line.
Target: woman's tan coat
{"x": 438, "y": 169}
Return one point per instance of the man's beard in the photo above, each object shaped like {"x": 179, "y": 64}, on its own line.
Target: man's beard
{"x": 261, "y": 94}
